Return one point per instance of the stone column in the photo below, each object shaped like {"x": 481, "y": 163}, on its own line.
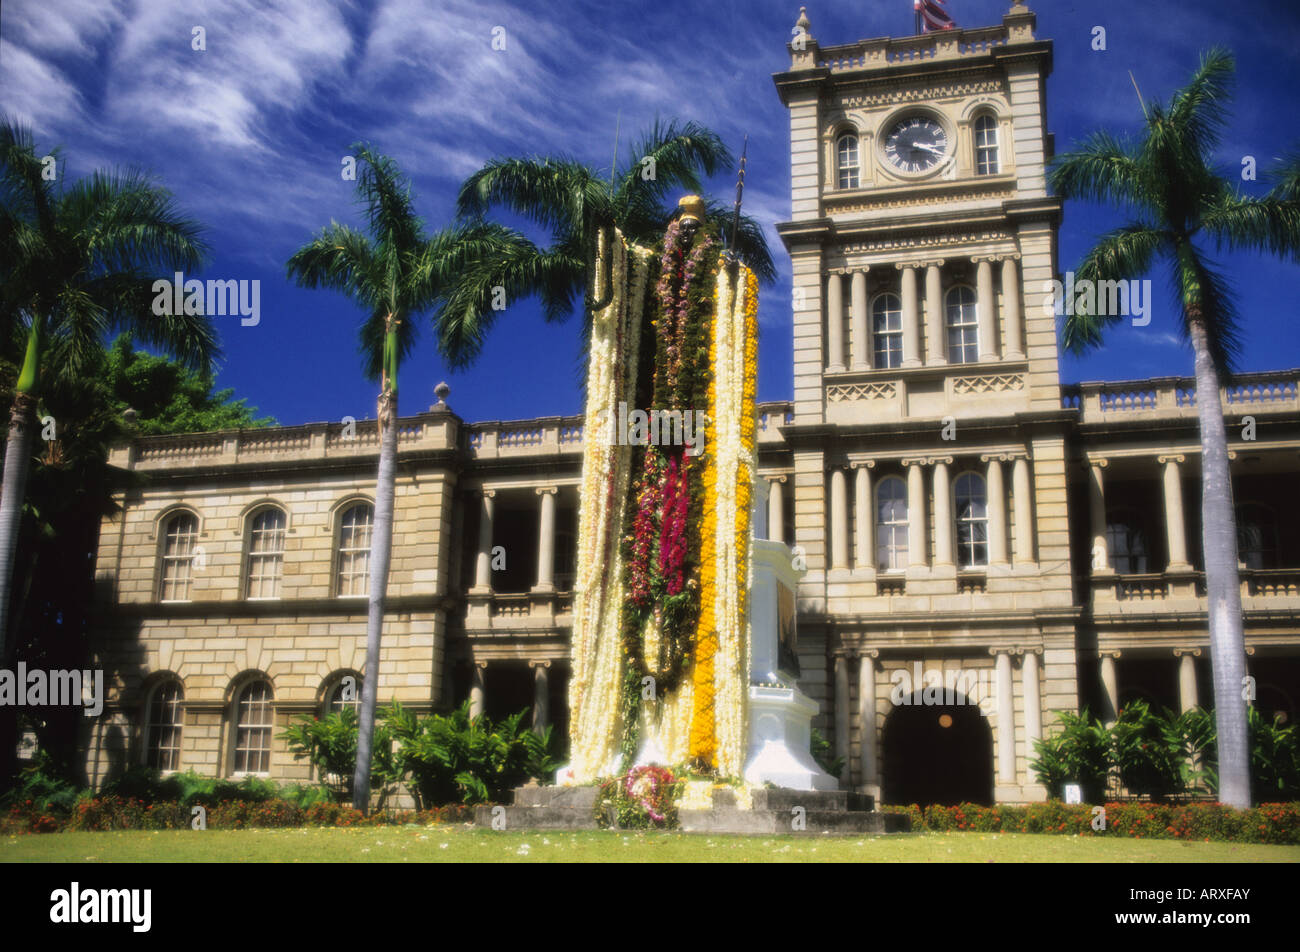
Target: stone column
{"x": 483, "y": 565}
{"x": 1175, "y": 523}
{"x": 1097, "y": 516}
{"x": 776, "y": 510}
{"x": 915, "y": 514}
{"x": 867, "y": 757}
{"x": 935, "y": 323}
{"x": 541, "y": 694}
{"x": 984, "y": 309}
{"x": 546, "y": 541}
{"x": 1033, "y": 703}
{"x": 1109, "y": 688}
{"x": 842, "y": 711}
{"x": 997, "y": 500}
{"x": 1012, "y": 309}
{"x": 1006, "y": 709}
{"x": 1187, "y": 691}
{"x": 1024, "y": 509}
{"x": 864, "y": 516}
{"x": 476, "y": 689}
{"x": 911, "y": 318}
{"x": 839, "y": 521}
{"x": 859, "y": 334}
{"x": 943, "y": 551}
{"x": 834, "y": 323}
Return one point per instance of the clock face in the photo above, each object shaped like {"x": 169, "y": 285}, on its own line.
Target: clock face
{"x": 916, "y": 144}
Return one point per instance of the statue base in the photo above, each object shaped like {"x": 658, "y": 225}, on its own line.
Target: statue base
{"x": 780, "y": 739}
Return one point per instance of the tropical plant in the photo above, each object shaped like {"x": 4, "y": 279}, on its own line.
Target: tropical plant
{"x": 1078, "y": 753}
{"x": 78, "y": 261}
{"x": 393, "y": 274}
{"x": 1181, "y": 203}
{"x": 1149, "y": 757}
{"x": 330, "y": 744}
{"x": 455, "y": 757}
{"x": 577, "y": 205}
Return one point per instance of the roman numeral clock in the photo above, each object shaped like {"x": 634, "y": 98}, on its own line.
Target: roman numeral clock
{"x": 917, "y": 143}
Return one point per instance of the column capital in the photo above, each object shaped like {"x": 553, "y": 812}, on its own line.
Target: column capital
{"x": 777, "y": 478}
{"x": 1000, "y": 457}
{"x": 1095, "y": 462}
{"x": 913, "y": 461}
{"x": 543, "y": 490}
{"x": 1194, "y": 652}
{"x": 995, "y": 257}
{"x": 540, "y": 663}
{"x": 480, "y": 665}
{"x": 932, "y": 263}
{"x": 487, "y": 493}
{"x": 1250, "y": 650}
{"x": 905, "y": 265}
{"x": 935, "y": 460}
{"x": 868, "y": 652}
{"x": 1172, "y": 458}
{"x": 1109, "y": 653}
{"x": 862, "y": 464}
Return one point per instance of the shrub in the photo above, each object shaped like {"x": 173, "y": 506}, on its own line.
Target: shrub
{"x": 643, "y": 798}
{"x": 330, "y": 744}
{"x": 1148, "y": 751}
{"x": 1079, "y": 753}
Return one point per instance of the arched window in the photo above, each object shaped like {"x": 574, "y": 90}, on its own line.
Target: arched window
{"x": 254, "y": 720}
{"x": 1256, "y": 536}
{"x": 846, "y": 150}
{"x": 1127, "y": 542}
{"x": 343, "y": 692}
{"x": 163, "y": 726}
{"x": 986, "y": 145}
{"x": 963, "y": 326}
{"x": 354, "y": 550}
{"x": 887, "y": 331}
{"x": 972, "y": 521}
{"x": 180, "y": 539}
{"x": 891, "y": 525}
{"x": 265, "y": 553}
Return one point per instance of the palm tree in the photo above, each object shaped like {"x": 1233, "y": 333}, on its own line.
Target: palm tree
{"x": 575, "y": 203}
{"x": 1180, "y": 203}
{"x": 393, "y": 274}
{"x": 78, "y": 262}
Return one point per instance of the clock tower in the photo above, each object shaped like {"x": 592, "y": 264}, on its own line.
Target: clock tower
{"x": 926, "y": 449}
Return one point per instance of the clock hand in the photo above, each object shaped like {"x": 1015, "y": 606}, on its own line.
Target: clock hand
{"x": 927, "y": 148}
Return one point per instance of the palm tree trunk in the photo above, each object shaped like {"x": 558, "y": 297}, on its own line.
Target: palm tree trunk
{"x": 1222, "y": 582}
{"x": 18, "y": 450}
{"x": 381, "y": 547}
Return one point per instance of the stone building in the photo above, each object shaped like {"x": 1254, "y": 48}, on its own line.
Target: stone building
{"x": 964, "y": 517}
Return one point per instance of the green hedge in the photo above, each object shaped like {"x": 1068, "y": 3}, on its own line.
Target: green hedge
{"x": 1266, "y": 823}
{"x": 129, "y": 813}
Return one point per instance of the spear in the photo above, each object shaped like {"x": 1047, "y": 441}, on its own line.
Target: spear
{"x": 740, "y": 192}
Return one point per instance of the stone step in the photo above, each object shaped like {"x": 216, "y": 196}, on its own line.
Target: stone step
{"x": 726, "y": 820}
{"x": 536, "y": 818}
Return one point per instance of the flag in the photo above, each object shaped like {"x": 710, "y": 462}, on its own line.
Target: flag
{"x": 933, "y": 16}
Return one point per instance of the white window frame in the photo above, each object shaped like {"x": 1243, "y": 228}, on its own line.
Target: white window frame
{"x": 988, "y": 160}
{"x": 172, "y": 730}
{"x": 891, "y": 555}
{"x": 963, "y": 318}
{"x": 178, "y": 551}
{"x": 968, "y": 550}
{"x": 848, "y": 165}
{"x": 349, "y": 556}
{"x": 265, "y": 565}
{"x": 264, "y": 728}
{"x": 891, "y": 336}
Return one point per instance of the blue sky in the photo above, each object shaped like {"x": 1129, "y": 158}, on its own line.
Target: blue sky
{"x": 250, "y": 134}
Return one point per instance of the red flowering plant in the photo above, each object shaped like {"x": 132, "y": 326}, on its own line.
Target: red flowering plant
{"x": 644, "y": 798}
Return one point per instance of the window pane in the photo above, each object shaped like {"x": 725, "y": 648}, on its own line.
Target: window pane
{"x": 179, "y": 540}
{"x": 354, "y": 550}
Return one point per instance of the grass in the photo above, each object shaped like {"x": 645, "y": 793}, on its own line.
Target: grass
{"x": 461, "y": 844}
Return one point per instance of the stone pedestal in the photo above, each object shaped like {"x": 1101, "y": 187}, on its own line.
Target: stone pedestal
{"x": 780, "y": 715}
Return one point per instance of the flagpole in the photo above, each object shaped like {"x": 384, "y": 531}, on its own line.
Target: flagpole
{"x": 916, "y": 10}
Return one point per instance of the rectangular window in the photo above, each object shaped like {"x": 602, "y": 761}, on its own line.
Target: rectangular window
{"x": 178, "y": 557}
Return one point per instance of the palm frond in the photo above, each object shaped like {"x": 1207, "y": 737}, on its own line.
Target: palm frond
{"x": 1266, "y": 224}
{"x": 1120, "y": 255}
{"x": 558, "y": 194}
{"x": 1199, "y": 111}
{"x": 671, "y": 157}
{"x": 386, "y": 195}
{"x": 1103, "y": 169}
{"x": 342, "y": 259}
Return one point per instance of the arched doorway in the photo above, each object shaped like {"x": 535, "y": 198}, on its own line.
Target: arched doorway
{"x": 937, "y": 753}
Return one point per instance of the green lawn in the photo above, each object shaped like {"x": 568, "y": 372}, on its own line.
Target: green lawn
{"x": 459, "y": 844}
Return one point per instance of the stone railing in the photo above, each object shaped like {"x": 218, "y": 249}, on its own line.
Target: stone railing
{"x": 492, "y": 440}
{"x": 892, "y": 51}
{"x": 1174, "y": 397}
{"x": 1154, "y": 588}
{"x": 310, "y": 441}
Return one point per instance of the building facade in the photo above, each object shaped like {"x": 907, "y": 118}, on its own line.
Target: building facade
{"x": 984, "y": 546}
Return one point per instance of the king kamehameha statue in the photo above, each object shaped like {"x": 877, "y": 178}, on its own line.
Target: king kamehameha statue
{"x": 684, "y": 624}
